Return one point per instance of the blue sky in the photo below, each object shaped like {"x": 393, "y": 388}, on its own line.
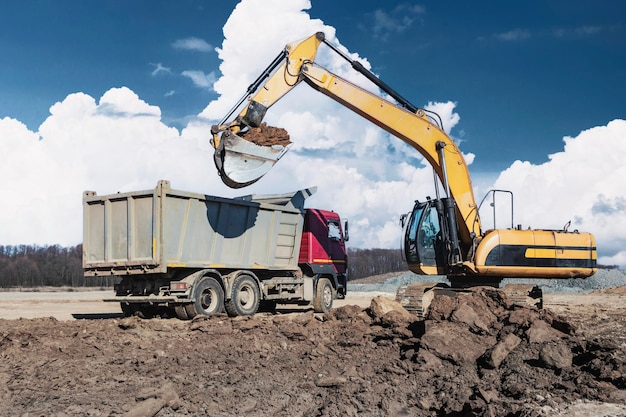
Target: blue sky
{"x": 114, "y": 95}
{"x": 523, "y": 74}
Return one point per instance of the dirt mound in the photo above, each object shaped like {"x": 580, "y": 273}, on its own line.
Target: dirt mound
{"x": 265, "y": 135}
{"x": 613, "y": 290}
{"x": 475, "y": 355}
{"x": 501, "y": 359}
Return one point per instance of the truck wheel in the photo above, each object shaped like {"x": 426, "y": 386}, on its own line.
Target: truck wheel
{"x": 181, "y": 312}
{"x": 244, "y": 298}
{"x": 146, "y": 311}
{"x": 323, "y": 301}
{"x": 208, "y": 298}
{"x": 143, "y": 311}
{"x": 128, "y": 309}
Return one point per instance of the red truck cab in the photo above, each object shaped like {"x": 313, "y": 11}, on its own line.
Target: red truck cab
{"x": 323, "y": 247}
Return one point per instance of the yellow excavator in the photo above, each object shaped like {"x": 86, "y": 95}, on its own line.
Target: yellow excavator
{"x": 442, "y": 236}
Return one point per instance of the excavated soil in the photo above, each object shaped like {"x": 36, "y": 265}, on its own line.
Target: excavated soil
{"x": 474, "y": 355}
{"x": 265, "y": 135}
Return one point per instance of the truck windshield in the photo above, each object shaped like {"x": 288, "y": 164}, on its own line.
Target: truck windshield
{"x": 334, "y": 231}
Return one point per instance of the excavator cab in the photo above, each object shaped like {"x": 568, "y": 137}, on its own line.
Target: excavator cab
{"x": 425, "y": 240}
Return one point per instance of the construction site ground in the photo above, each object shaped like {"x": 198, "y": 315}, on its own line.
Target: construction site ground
{"x": 67, "y": 353}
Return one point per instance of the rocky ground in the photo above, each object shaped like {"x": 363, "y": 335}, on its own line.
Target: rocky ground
{"x": 475, "y": 355}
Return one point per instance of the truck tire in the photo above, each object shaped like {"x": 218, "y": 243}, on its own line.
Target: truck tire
{"x": 208, "y": 298}
{"x": 245, "y": 297}
{"x": 181, "y": 312}
{"x": 128, "y": 309}
{"x": 324, "y": 294}
{"x": 146, "y": 311}
{"x": 143, "y": 311}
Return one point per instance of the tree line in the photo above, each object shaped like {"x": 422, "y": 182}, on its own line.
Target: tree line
{"x": 368, "y": 262}
{"x": 56, "y": 266}
{"x": 45, "y": 266}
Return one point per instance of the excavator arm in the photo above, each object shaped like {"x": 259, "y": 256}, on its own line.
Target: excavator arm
{"x": 241, "y": 162}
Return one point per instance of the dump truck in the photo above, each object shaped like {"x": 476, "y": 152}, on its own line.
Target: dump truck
{"x": 190, "y": 254}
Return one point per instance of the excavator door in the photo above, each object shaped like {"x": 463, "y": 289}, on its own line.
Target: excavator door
{"x": 424, "y": 247}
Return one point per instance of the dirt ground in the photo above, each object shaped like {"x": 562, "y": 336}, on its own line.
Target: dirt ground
{"x": 475, "y": 355}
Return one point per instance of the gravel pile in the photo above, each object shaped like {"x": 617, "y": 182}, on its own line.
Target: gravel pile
{"x": 604, "y": 278}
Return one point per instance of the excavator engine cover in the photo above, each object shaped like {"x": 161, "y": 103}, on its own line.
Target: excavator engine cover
{"x": 241, "y": 162}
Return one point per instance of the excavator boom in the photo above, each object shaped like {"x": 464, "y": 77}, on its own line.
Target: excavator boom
{"x": 241, "y": 163}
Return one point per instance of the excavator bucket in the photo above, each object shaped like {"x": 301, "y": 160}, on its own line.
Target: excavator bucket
{"x": 241, "y": 162}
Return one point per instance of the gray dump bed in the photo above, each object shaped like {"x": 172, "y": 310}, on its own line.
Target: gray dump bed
{"x": 154, "y": 230}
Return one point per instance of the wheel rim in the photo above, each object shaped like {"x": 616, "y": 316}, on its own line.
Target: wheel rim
{"x": 208, "y": 300}
{"x": 327, "y": 295}
{"x": 246, "y": 297}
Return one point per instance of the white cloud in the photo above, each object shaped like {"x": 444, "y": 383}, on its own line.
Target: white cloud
{"x": 513, "y": 35}
{"x": 15, "y": 134}
{"x": 124, "y": 102}
{"x": 577, "y": 32}
{"x": 159, "y": 68}
{"x": 397, "y": 20}
{"x": 193, "y": 44}
{"x": 247, "y": 50}
{"x": 446, "y": 113}
{"x": 200, "y": 79}
{"x": 588, "y": 30}
{"x": 583, "y": 183}
{"x": 118, "y": 143}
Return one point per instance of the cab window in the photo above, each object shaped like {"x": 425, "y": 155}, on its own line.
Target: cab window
{"x": 428, "y": 232}
{"x": 334, "y": 231}
{"x": 410, "y": 247}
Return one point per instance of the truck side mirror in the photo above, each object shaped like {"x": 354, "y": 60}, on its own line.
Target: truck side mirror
{"x": 346, "y": 235}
